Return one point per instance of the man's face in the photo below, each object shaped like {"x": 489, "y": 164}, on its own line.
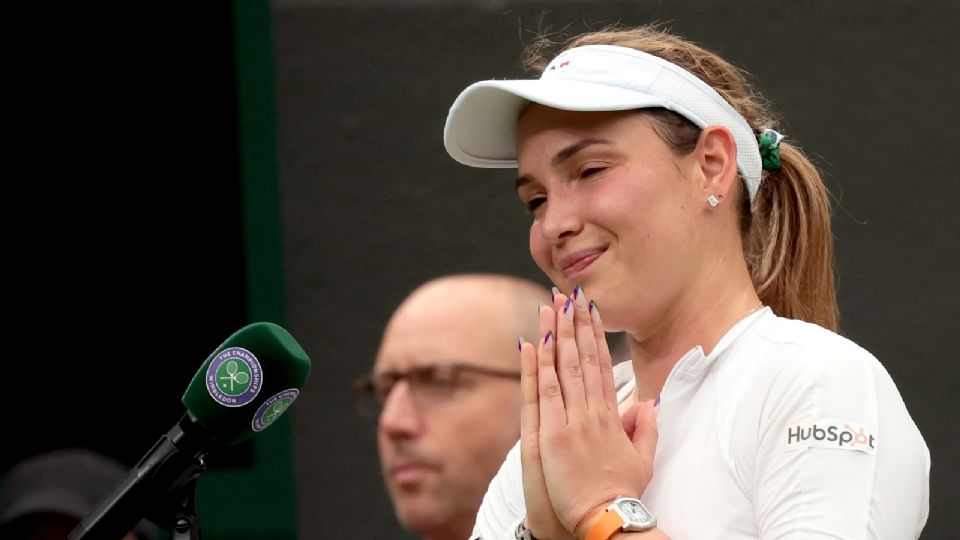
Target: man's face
{"x": 440, "y": 444}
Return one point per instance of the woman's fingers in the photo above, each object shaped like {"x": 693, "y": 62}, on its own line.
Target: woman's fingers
{"x": 589, "y": 351}
{"x": 530, "y": 403}
{"x": 606, "y": 360}
{"x": 583, "y": 365}
{"x": 540, "y": 518}
{"x": 640, "y": 424}
{"x": 539, "y": 511}
{"x": 569, "y": 365}
{"x": 551, "y": 398}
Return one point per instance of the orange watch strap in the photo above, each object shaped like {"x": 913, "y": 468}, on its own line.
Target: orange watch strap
{"x": 610, "y": 523}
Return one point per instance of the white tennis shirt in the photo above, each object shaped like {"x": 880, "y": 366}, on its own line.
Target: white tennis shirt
{"x": 785, "y": 430}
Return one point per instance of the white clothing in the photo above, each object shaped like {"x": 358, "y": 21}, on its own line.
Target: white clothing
{"x": 786, "y": 430}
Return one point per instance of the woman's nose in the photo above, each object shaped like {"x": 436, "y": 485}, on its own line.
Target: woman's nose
{"x": 561, "y": 218}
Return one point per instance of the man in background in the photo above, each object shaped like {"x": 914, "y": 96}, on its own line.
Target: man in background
{"x": 447, "y": 380}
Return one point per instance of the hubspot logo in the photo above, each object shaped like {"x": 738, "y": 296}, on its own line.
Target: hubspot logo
{"x": 234, "y": 377}
{"x": 838, "y": 435}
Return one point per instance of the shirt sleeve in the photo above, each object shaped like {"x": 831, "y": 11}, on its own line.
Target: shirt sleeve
{"x": 839, "y": 455}
{"x": 503, "y": 506}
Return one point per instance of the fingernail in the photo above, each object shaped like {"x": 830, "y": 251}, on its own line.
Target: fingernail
{"x": 554, "y": 292}
{"x": 657, "y": 402}
{"x": 579, "y": 298}
{"x": 594, "y": 311}
{"x": 539, "y": 305}
{"x": 520, "y": 344}
{"x": 567, "y": 312}
{"x": 546, "y": 337}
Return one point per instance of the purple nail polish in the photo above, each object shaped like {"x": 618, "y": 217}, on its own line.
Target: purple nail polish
{"x": 657, "y": 402}
{"x": 576, "y": 291}
{"x": 546, "y": 337}
{"x": 567, "y": 305}
{"x": 593, "y": 304}
{"x": 520, "y": 344}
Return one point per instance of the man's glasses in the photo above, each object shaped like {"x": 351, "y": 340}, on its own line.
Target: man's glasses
{"x": 429, "y": 384}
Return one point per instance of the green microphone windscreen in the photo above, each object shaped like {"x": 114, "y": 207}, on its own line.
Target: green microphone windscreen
{"x": 248, "y": 382}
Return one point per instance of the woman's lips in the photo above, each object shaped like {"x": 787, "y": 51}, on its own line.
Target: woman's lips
{"x": 578, "y": 261}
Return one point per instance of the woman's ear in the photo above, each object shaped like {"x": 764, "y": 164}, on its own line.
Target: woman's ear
{"x": 716, "y": 153}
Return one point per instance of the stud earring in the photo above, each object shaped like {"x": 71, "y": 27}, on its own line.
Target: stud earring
{"x": 714, "y": 200}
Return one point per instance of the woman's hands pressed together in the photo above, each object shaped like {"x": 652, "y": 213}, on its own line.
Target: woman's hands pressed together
{"x": 577, "y": 452}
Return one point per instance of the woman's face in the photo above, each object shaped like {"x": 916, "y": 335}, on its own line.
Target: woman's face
{"x": 614, "y": 209}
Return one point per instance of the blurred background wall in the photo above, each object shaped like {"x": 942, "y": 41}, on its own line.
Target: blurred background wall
{"x": 180, "y": 170}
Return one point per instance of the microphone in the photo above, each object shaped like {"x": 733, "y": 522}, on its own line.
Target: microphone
{"x": 241, "y": 389}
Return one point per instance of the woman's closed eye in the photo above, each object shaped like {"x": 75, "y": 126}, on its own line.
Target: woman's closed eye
{"x": 535, "y": 203}
{"x": 592, "y": 170}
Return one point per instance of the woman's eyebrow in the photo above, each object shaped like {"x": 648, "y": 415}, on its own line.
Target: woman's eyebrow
{"x": 569, "y": 151}
{"x": 523, "y": 180}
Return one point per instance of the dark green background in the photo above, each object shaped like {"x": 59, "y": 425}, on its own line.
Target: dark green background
{"x": 180, "y": 170}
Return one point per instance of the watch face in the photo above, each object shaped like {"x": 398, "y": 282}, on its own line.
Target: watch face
{"x": 635, "y": 516}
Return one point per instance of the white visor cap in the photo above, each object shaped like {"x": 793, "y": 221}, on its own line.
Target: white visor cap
{"x": 481, "y": 128}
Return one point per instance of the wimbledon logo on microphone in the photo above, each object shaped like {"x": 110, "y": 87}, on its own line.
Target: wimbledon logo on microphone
{"x": 234, "y": 377}
{"x": 272, "y": 408}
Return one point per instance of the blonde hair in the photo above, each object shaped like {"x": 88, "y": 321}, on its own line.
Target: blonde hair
{"x": 787, "y": 240}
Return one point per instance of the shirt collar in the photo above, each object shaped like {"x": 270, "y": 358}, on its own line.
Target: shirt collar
{"x": 692, "y": 364}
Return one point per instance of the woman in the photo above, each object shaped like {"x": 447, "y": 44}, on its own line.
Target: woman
{"x": 659, "y": 192}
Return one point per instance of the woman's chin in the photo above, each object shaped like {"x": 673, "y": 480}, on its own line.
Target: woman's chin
{"x": 611, "y": 322}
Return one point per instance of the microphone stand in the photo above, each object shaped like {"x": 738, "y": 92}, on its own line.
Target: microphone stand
{"x": 186, "y": 526}
{"x": 162, "y": 485}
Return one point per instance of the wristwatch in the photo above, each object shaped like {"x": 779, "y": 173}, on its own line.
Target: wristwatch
{"x": 522, "y": 532}
{"x": 625, "y": 514}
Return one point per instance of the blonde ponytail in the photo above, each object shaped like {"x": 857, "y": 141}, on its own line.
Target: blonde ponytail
{"x": 789, "y": 245}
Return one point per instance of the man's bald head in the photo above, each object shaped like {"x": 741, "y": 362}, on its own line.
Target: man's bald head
{"x": 505, "y": 306}
{"x": 443, "y": 436}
